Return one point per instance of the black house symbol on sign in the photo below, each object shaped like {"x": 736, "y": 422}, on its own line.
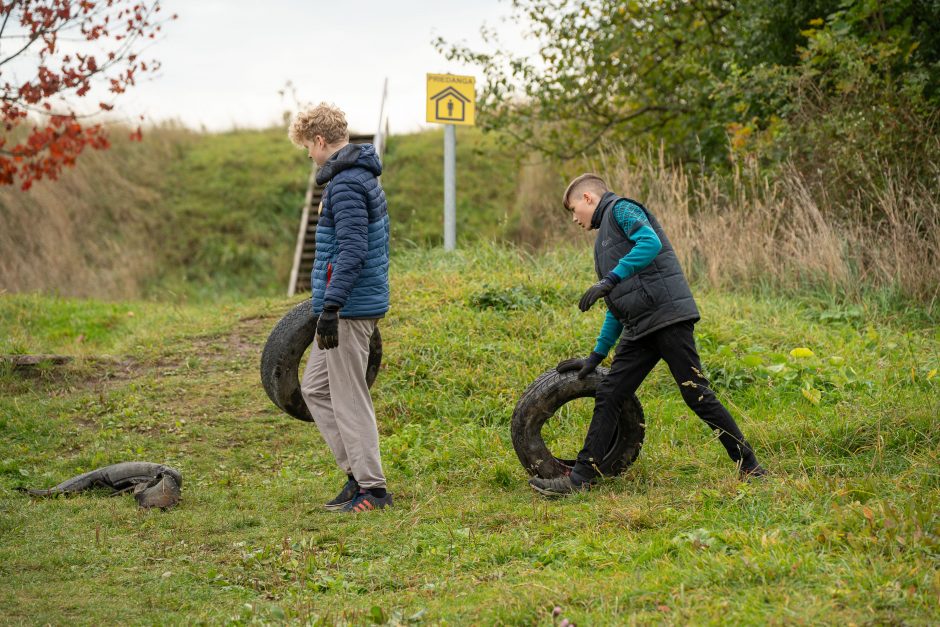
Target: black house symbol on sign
{"x": 450, "y": 104}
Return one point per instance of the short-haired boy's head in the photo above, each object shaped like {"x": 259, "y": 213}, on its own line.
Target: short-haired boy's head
{"x": 325, "y": 120}
{"x": 584, "y": 183}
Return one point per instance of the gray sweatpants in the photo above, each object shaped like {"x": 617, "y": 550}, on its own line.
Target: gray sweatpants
{"x": 334, "y": 388}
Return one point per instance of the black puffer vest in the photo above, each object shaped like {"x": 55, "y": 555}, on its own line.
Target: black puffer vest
{"x": 656, "y": 296}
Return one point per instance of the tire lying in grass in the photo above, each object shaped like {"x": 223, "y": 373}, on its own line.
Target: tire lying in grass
{"x": 280, "y": 360}
{"x": 547, "y": 395}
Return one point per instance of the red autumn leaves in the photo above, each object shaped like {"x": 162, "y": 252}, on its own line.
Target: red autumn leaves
{"x": 53, "y": 52}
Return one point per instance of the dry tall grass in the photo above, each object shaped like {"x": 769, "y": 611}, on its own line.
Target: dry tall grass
{"x": 540, "y": 218}
{"x": 88, "y": 234}
{"x": 753, "y": 230}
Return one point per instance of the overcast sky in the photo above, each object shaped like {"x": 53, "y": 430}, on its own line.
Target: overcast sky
{"x": 225, "y": 60}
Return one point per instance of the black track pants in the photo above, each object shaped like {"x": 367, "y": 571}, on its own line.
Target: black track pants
{"x": 633, "y": 360}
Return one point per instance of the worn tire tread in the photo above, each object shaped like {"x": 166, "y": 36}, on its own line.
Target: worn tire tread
{"x": 545, "y": 396}
{"x": 283, "y": 351}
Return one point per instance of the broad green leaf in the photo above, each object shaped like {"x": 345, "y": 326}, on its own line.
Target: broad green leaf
{"x": 812, "y": 395}
{"x": 752, "y": 360}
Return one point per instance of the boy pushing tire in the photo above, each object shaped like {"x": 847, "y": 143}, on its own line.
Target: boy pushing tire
{"x": 650, "y": 309}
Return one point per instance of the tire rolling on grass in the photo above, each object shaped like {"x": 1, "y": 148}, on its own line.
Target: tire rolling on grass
{"x": 547, "y": 395}
{"x": 280, "y": 360}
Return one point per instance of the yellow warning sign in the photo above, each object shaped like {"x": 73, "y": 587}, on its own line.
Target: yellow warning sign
{"x": 451, "y": 99}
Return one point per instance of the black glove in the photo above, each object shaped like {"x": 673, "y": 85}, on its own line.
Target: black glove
{"x": 328, "y": 328}
{"x": 598, "y": 290}
{"x": 584, "y": 365}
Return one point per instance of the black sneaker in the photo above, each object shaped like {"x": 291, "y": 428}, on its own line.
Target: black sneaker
{"x": 559, "y": 486}
{"x": 366, "y": 501}
{"x": 346, "y": 495}
{"x": 752, "y": 472}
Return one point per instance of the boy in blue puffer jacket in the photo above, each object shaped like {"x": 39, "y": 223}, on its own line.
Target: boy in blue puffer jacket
{"x": 651, "y": 313}
{"x": 350, "y": 293}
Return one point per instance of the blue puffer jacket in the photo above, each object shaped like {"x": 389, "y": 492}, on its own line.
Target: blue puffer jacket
{"x": 351, "y": 265}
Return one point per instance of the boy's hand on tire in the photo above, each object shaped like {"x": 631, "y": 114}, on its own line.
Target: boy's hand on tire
{"x": 328, "y": 328}
{"x": 584, "y": 365}
{"x": 598, "y": 290}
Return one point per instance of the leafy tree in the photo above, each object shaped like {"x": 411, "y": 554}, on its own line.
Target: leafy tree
{"x": 858, "y": 106}
{"x": 690, "y": 73}
{"x": 53, "y": 52}
{"x": 605, "y": 69}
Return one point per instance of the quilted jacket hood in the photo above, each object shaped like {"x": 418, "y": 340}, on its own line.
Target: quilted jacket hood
{"x": 350, "y": 156}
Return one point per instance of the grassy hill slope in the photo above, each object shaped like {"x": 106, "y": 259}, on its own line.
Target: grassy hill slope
{"x": 846, "y": 531}
{"x": 215, "y": 216}
{"x": 230, "y": 215}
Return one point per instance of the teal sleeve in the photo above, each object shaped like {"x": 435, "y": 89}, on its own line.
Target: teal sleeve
{"x": 640, "y": 256}
{"x": 632, "y": 219}
{"x": 610, "y": 333}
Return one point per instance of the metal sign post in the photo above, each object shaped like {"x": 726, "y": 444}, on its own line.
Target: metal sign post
{"x": 451, "y": 101}
{"x": 450, "y": 187}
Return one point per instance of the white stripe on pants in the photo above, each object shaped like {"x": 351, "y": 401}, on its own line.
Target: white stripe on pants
{"x": 334, "y": 388}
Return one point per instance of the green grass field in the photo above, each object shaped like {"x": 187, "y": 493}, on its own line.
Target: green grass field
{"x": 846, "y": 531}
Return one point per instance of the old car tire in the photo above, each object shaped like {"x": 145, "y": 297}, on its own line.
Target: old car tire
{"x": 544, "y": 397}
{"x": 280, "y": 360}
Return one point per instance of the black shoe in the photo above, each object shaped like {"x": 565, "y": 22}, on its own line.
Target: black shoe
{"x": 560, "y": 486}
{"x": 752, "y": 472}
{"x": 366, "y": 501}
{"x": 349, "y": 492}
